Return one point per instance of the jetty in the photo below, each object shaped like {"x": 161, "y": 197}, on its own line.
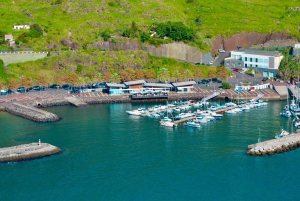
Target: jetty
{"x": 31, "y": 113}
{"x": 26, "y": 152}
{"x": 76, "y": 101}
{"x": 275, "y": 146}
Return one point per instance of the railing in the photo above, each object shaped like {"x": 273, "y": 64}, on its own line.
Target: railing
{"x": 210, "y": 96}
{"x": 259, "y": 96}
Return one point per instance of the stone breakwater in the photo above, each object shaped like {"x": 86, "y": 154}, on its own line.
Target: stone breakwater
{"x": 31, "y": 113}
{"x": 27, "y": 152}
{"x": 275, "y": 146}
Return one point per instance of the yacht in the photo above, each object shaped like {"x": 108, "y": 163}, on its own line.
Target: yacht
{"x": 167, "y": 123}
{"x": 165, "y": 119}
{"x": 230, "y": 112}
{"x": 192, "y": 124}
{"x": 134, "y": 112}
{"x": 286, "y": 113}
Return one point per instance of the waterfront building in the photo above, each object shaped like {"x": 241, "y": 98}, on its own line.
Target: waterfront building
{"x": 114, "y": 88}
{"x": 184, "y": 86}
{"x": 137, "y": 84}
{"x": 265, "y": 62}
{"x": 157, "y": 87}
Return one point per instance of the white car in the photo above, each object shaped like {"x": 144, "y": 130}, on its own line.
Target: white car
{"x": 221, "y": 50}
{"x": 211, "y": 63}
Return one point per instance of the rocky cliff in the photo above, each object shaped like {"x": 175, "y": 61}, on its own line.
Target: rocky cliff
{"x": 245, "y": 40}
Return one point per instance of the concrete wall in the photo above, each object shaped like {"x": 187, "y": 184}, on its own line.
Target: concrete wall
{"x": 16, "y": 57}
{"x": 180, "y": 51}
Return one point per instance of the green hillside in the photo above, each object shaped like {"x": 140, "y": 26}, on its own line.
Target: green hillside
{"x": 84, "y": 19}
{"x": 86, "y": 22}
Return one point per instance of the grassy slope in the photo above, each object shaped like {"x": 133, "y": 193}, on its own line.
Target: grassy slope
{"x": 84, "y": 19}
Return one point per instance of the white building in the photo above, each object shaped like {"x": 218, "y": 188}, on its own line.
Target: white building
{"x": 266, "y": 62}
{"x": 21, "y": 26}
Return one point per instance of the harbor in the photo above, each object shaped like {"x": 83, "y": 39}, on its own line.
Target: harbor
{"x": 26, "y": 152}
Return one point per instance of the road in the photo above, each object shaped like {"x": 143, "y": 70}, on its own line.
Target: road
{"x": 220, "y": 58}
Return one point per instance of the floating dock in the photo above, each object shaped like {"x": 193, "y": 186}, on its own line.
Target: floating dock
{"x": 31, "y": 113}
{"x": 27, "y": 152}
{"x": 275, "y": 146}
{"x": 75, "y": 101}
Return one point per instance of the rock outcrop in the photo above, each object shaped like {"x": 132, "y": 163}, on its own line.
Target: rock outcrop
{"x": 245, "y": 40}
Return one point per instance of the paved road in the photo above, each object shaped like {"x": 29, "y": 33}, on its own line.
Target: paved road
{"x": 220, "y": 58}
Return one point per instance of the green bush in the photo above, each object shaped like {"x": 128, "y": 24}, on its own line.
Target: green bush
{"x": 226, "y": 85}
{"x": 144, "y": 37}
{"x": 105, "y": 35}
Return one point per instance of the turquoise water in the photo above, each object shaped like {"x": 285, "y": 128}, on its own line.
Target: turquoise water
{"x": 109, "y": 155}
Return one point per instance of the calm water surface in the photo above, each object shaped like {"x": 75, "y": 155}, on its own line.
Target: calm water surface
{"x": 109, "y": 155}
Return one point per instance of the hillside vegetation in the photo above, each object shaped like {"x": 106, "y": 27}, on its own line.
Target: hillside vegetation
{"x": 81, "y": 21}
{"x": 58, "y": 22}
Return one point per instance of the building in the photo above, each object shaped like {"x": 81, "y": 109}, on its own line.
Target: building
{"x": 184, "y": 86}
{"x": 21, "y": 26}
{"x": 114, "y": 88}
{"x": 265, "y": 62}
{"x": 9, "y": 37}
{"x": 135, "y": 84}
{"x": 296, "y": 50}
{"x": 158, "y": 87}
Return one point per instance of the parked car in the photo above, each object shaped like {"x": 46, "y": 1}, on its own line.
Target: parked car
{"x": 204, "y": 81}
{"x": 37, "y": 88}
{"x": 55, "y": 86}
{"x": 21, "y": 90}
{"x": 264, "y": 79}
{"x": 66, "y": 87}
{"x": 29, "y": 89}
{"x": 3, "y": 92}
{"x": 9, "y": 91}
{"x": 221, "y": 50}
{"x": 211, "y": 63}
{"x": 216, "y": 80}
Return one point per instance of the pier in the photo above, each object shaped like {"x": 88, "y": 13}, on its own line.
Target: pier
{"x": 274, "y": 146}
{"x": 27, "y": 152}
{"x": 31, "y": 113}
{"x": 75, "y": 101}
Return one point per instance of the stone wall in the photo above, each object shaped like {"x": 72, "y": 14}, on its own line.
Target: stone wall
{"x": 16, "y": 57}
{"x": 179, "y": 51}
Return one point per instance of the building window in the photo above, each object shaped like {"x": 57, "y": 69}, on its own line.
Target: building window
{"x": 250, "y": 65}
{"x": 245, "y": 58}
{"x": 256, "y": 60}
{"x": 256, "y": 66}
{"x": 250, "y": 59}
{"x": 239, "y": 64}
{"x": 227, "y": 63}
{"x": 245, "y": 65}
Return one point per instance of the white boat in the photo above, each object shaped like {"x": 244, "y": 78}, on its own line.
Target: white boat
{"x": 165, "y": 119}
{"x": 296, "y": 122}
{"x": 216, "y": 115}
{"x": 134, "y": 112}
{"x": 167, "y": 123}
{"x": 177, "y": 110}
{"x": 192, "y": 124}
{"x": 286, "y": 113}
{"x": 213, "y": 108}
{"x": 244, "y": 107}
{"x": 230, "y": 112}
{"x": 237, "y": 110}
{"x": 155, "y": 115}
{"x": 283, "y": 133}
{"x": 230, "y": 104}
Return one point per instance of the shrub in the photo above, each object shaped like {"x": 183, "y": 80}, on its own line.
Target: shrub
{"x": 226, "y": 85}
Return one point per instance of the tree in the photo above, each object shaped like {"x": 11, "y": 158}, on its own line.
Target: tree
{"x": 12, "y": 84}
{"x": 27, "y": 82}
{"x": 72, "y": 78}
{"x": 60, "y": 79}
{"x": 42, "y": 80}
{"x": 226, "y": 85}
{"x": 150, "y": 74}
{"x": 139, "y": 74}
{"x": 115, "y": 77}
{"x": 2, "y": 85}
{"x": 188, "y": 74}
{"x": 128, "y": 74}
{"x": 222, "y": 72}
{"x": 98, "y": 77}
{"x": 212, "y": 73}
{"x": 107, "y": 76}
{"x": 144, "y": 37}
{"x": 198, "y": 73}
{"x": 105, "y": 35}
{"x": 176, "y": 75}
{"x": 164, "y": 74}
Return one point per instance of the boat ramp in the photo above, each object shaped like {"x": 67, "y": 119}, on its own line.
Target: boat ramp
{"x": 274, "y": 146}
{"x": 27, "y": 152}
{"x": 76, "y": 101}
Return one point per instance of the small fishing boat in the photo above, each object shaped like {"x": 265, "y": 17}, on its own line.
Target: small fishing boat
{"x": 167, "y": 123}
{"x": 283, "y": 133}
{"x": 192, "y": 124}
{"x": 134, "y": 112}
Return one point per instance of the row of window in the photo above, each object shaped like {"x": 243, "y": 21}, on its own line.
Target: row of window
{"x": 257, "y": 66}
{"x": 257, "y": 60}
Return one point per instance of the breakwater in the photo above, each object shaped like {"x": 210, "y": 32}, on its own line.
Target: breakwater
{"x": 27, "y": 152}
{"x": 275, "y": 146}
{"x": 31, "y": 113}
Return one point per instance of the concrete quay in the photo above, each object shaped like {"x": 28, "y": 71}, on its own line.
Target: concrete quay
{"x": 275, "y": 146}
{"x": 31, "y": 113}
{"x": 27, "y": 152}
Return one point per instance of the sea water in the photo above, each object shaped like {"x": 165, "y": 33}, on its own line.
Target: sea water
{"x": 109, "y": 155}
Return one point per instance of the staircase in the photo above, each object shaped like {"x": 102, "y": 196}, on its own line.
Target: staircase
{"x": 209, "y": 97}
{"x": 259, "y": 96}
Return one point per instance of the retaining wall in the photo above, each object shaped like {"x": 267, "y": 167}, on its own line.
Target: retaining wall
{"x": 16, "y": 57}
